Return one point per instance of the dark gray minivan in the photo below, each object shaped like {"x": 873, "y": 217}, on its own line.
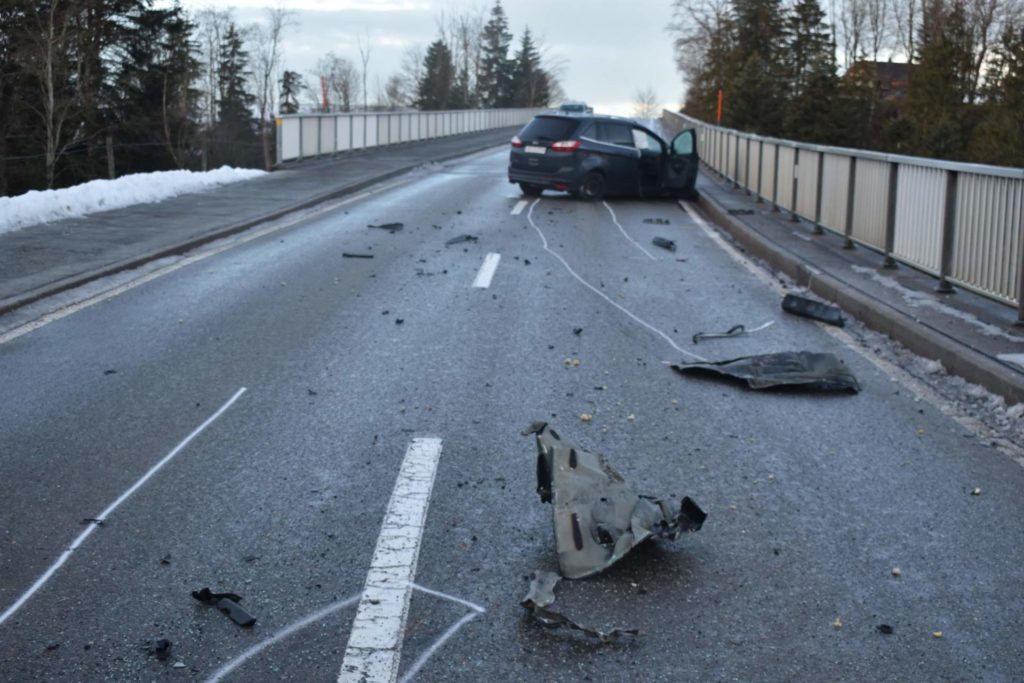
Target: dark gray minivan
{"x": 594, "y": 156}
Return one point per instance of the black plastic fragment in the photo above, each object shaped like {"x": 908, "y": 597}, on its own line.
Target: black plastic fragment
{"x": 462, "y": 238}
{"x": 161, "y": 649}
{"x": 803, "y": 369}
{"x": 809, "y": 308}
{"x": 346, "y": 254}
{"x": 390, "y": 227}
{"x": 226, "y": 603}
{"x": 664, "y": 243}
{"x": 93, "y": 520}
{"x": 740, "y": 212}
{"x": 885, "y": 628}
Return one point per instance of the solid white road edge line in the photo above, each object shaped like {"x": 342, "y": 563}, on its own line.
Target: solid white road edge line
{"x": 595, "y": 290}
{"x": 487, "y": 269}
{"x": 615, "y": 219}
{"x": 518, "y": 208}
{"x": 41, "y": 581}
{"x": 233, "y": 241}
{"x": 374, "y": 648}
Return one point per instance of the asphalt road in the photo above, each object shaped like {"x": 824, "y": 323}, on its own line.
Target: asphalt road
{"x": 812, "y": 499}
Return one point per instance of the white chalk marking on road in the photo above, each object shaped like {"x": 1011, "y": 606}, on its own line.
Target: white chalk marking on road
{"x": 41, "y": 581}
{"x": 518, "y": 208}
{"x": 234, "y": 241}
{"x": 615, "y": 219}
{"x": 595, "y": 290}
{"x": 374, "y": 648}
{"x": 487, "y": 269}
{"x": 288, "y": 630}
{"x": 437, "y": 645}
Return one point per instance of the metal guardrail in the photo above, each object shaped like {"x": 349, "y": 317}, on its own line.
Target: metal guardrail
{"x": 963, "y": 223}
{"x": 301, "y": 136}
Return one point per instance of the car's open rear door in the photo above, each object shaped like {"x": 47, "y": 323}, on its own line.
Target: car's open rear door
{"x": 681, "y": 178}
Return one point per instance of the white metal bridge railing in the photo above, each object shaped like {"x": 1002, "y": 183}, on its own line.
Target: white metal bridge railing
{"x": 961, "y": 222}
{"x": 301, "y": 136}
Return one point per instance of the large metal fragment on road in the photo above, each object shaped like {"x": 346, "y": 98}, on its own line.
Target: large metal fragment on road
{"x": 809, "y": 308}
{"x": 821, "y": 371}
{"x": 598, "y": 518}
{"x": 226, "y": 603}
{"x": 542, "y": 596}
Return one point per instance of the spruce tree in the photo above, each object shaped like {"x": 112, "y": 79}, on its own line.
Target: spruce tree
{"x": 531, "y": 85}
{"x": 291, "y": 86}
{"x": 757, "y": 75}
{"x": 812, "y": 80}
{"x": 494, "y": 82}
{"x": 234, "y": 135}
{"x": 435, "y": 88}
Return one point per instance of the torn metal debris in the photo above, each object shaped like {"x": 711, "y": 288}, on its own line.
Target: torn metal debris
{"x": 664, "y": 243}
{"x": 542, "y": 596}
{"x": 390, "y": 227}
{"x": 346, "y": 254}
{"x": 462, "y": 238}
{"x": 226, "y": 603}
{"x": 809, "y": 308}
{"x": 821, "y": 371}
{"x": 598, "y": 518}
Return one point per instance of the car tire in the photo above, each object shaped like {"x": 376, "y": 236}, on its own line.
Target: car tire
{"x": 530, "y": 190}
{"x": 593, "y": 186}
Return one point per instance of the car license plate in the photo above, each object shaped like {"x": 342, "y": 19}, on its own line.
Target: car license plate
{"x": 530, "y": 149}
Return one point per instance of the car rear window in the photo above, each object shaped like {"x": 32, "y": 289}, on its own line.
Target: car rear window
{"x": 549, "y": 129}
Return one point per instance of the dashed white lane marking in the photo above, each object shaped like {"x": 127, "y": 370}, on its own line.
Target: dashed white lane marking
{"x": 248, "y": 236}
{"x": 595, "y": 290}
{"x": 487, "y": 269}
{"x": 374, "y": 648}
{"x": 41, "y": 581}
{"x": 615, "y": 219}
{"x": 518, "y": 208}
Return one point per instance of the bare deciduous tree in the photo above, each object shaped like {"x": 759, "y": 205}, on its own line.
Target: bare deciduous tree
{"x": 853, "y": 22}
{"x": 265, "y": 40}
{"x": 364, "y": 57}
{"x": 878, "y": 26}
{"x": 342, "y": 81}
{"x": 645, "y": 103}
{"x": 905, "y": 17}
{"x": 213, "y": 24}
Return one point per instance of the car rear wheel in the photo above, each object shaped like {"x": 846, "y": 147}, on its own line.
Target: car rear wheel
{"x": 530, "y": 190}
{"x": 593, "y": 186}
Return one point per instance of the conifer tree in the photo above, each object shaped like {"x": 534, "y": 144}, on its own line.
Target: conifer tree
{"x": 530, "y": 83}
{"x": 435, "y": 87}
{"x": 291, "y": 86}
{"x": 812, "y": 74}
{"x": 494, "y": 81}
{"x": 757, "y": 75}
{"x": 235, "y": 130}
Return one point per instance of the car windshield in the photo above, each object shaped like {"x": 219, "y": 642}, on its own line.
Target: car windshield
{"x": 549, "y": 129}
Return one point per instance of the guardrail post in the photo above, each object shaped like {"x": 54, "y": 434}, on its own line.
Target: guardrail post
{"x": 319, "y": 135}
{"x": 760, "y": 169}
{"x": 1019, "y": 322}
{"x": 775, "y": 182}
{"x": 746, "y": 170}
{"x": 817, "y": 195}
{"x": 890, "y": 215}
{"x": 948, "y": 233}
{"x": 279, "y": 139}
{"x": 736, "y": 163}
{"x": 301, "y": 140}
{"x": 851, "y": 191}
{"x": 796, "y": 181}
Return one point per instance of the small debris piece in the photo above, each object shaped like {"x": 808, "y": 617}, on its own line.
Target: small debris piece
{"x": 885, "y": 628}
{"x": 166, "y": 559}
{"x": 837, "y": 624}
{"x": 52, "y": 646}
{"x": 93, "y": 520}
{"x": 734, "y": 331}
{"x": 577, "y": 331}
{"x": 161, "y": 649}
{"x": 399, "y": 321}
{"x": 226, "y": 603}
{"x": 809, "y": 308}
{"x": 818, "y": 371}
{"x": 390, "y": 227}
{"x": 976, "y": 492}
{"x": 178, "y": 665}
{"x": 346, "y": 254}
{"x": 542, "y": 595}
{"x": 936, "y": 634}
{"x": 586, "y": 417}
{"x": 462, "y": 238}
{"x": 664, "y": 243}
{"x": 631, "y": 417}
{"x": 597, "y": 516}
{"x": 657, "y": 221}
{"x": 897, "y": 572}
{"x": 572, "y": 362}
{"x": 740, "y": 212}
{"x": 310, "y": 391}
{"x": 110, "y": 372}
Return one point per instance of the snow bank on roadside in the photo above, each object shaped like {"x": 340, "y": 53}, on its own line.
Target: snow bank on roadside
{"x": 43, "y": 206}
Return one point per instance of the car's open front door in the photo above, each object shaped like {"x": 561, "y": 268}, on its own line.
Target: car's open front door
{"x": 681, "y": 179}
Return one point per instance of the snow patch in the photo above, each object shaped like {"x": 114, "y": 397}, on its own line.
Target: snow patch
{"x": 36, "y": 207}
{"x": 931, "y": 367}
{"x": 927, "y": 301}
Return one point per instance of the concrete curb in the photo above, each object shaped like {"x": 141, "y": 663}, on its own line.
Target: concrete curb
{"x": 13, "y": 303}
{"x": 877, "y": 314}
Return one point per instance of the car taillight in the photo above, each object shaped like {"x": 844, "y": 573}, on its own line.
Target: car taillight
{"x": 565, "y": 146}
{"x": 516, "y": 142}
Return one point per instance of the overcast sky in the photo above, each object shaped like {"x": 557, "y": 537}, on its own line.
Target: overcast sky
{"x": 609, "y": 49}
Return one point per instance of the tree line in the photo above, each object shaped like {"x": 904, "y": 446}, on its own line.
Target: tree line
{"x": 101, "y": 88}
{"x": 797, "y": 72}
